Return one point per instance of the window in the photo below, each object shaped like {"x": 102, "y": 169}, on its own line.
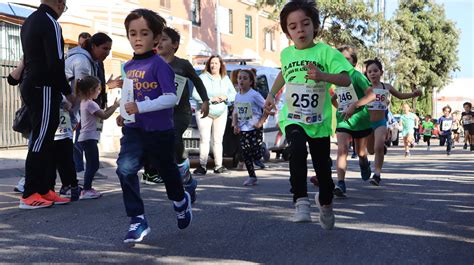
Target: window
{"x": 165, "y": 4}
{"x": 225, "y": 20}
{"x": 248, "y": 26}
{"x": 269, "y": 46}
{"x": 196, "y": 12}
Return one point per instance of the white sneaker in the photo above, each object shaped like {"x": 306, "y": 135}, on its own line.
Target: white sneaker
{"x": 100, "y": 175}
{"x": 302, "y": 210}
{"x": 20, "y": 187}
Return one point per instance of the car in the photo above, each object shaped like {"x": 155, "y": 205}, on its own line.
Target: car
{"x": 272, "y": 138}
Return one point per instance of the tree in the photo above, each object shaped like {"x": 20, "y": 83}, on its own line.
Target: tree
{"x": 423, "y": 46}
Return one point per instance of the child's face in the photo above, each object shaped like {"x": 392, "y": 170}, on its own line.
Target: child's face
{"x": 140, "y": 36}
{"x": 300, "y": 29}
{"x": 467, "y": 108}
{"x": 374, "y": 73}
{"x": 406, "y": 108}
{"x": 427, "y": 118}
{"x": 348, "y": 56}
{"x": 215, "y": 66}
{"x": 96, "y": 92}
{"x": 166, "y": 45}
{"x": 244, "y": 80}
{"x": 446, "y": 112}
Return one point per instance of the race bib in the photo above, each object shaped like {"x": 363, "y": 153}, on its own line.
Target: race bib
{"x": 345, "y": 97}
{"x": 99, "y": 123}
{"x": 447, "y": 124}
{"x": 244, "y": 111}
{"x": 427, "y": 131}
{"x": 64, "y": 122}
{"x": 382, "y": 99}
{"x": 180, "y": 83}
{"x": 467, "y": 119}
{"x": 306, "y": 102}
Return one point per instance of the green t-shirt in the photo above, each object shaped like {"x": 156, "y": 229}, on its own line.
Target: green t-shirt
{"x": 428, "y": 127}
{"x": 360, "y": 120}
{"x": 306, "y": 102}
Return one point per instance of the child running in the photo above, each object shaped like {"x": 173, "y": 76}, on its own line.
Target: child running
{"x": 377, "y": 111}
{"x": 352, "y": 122}
{"x": 247, "y": 120}
{"x": 88, "y": 89}
{"x": 467, "y": 119}
{"x": 407, "y": 121}
{"x": 445, "y": 124}
{"x": 152, "y": 135}
{"x": 308, "y": 69}
{"x": 182, "y": 114}
{"x": 427, "y": 129}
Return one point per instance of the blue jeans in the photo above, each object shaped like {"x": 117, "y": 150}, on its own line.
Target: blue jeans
{"x": 158, "y": 147}
{"x": 92, "y": 161}
{"x": 78, "y": 153}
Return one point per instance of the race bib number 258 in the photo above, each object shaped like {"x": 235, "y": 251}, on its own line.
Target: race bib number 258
{"x": 306, "y": 102}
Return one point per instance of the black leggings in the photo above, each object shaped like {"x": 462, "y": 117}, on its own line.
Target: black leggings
{"x": 320, "y": 150}
{"x": 64, "y": 163}
{"x": 251, "y": 146}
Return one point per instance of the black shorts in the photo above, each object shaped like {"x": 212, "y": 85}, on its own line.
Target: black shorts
{"x": 455, "y": 131}
{"x": 356, "y": 134}
{"x": 426, "y": 138}
{"x": 469, "y": 128}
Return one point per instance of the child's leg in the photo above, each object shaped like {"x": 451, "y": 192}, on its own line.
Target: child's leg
{"x": 129, "y": 162}
{"x": 449, "y": 142}
{"x": 371, "y": 143}
{"x": 246, "y": 147}
{"x": 91, "y": 152}
{"x": 257, "y": 140}
{"x": 320, "y": 151}
{"x": 379, "y": 138}
{"x": 159, "y": 148}
{"x": 296, "y": 137}
{"x": 442, "y": 140}
{"x": 405, "y": 144}
{"x": 65, "y": 162}
{"x": 342, "y": 150}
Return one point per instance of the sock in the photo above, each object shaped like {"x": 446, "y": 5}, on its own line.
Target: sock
{"x": 141, "y": 216}
{"x": 180, "y": 203}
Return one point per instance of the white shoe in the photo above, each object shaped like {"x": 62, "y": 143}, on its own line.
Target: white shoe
{"x": 100, "y": 175}
{"x": 302, "y": 210}
{"x": 20, "y": 187}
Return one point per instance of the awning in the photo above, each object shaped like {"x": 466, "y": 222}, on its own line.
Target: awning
{"x": 198, "y": 47}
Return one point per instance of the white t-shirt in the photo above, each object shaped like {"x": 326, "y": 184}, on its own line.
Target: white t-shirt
{"x": 249, "y": 109}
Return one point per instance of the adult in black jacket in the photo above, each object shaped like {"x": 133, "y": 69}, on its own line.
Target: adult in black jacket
{"x": 44, "y": 83}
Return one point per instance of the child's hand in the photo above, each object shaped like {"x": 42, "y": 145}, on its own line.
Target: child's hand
{"x": 349, "y": 111}
{"x": 313, "y": 72}
{"x": 120, "y": 121}
{"x": 269, "y": 106}
{"x": 115, "y": 83}
{"x": 258, "y": 125}
{"x": 236, "y": 130}
{"x": 131, "y": 108}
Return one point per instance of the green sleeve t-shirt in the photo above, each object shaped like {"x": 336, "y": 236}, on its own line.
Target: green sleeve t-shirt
{"x": 428, "y": 127}
{"x": 360, "y": 120}
{"x": 306, "y": 102}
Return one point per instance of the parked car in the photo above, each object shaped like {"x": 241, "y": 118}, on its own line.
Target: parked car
{"x": 272, "y": 140}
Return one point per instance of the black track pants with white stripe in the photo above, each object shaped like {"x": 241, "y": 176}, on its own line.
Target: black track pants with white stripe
{"x": 43, "y": 104}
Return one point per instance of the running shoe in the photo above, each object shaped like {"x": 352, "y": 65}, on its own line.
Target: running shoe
{"x": 259, "y": 164}
{"x": 200, "y": 170}
{"x": 20, "y": 187}
{"x": 151, "y": 179}
{"x": 465, "y": 146}
{"x": 326, "y": 216}
{"x": 302, "y": 210}
{"x": 75, "y": 193}
{"x": 90, "y": 194}
{"x": 251, "y": 181}
{"x": 55, "y": 198}
{"x": 354, "y": 155}
{"x": 407, "y": 154}
{"x": 375, "y": 180}
{"x": 221, "y": 170}
{"x": 190, "y": 187}
{"x": 365, "y": 170}
{"x": 137, "y": 230}
{"x": 340, "y": 189}
{"x": 184, "y": 213}
{"x": 34, "y": 201}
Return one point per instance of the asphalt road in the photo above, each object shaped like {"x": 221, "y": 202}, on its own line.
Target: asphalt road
{"x": 422, "y": 214}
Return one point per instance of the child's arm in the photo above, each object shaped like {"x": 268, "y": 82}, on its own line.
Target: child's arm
{"x": 334, "y": 101}
{"x": 369, "y": 97}
{"x": 235, "y": 122}
{"x": 105, "y": 114}
{"x": 401, "y": 95}
{"x": 276, "y": 87}
{"x": 341, "y": 79}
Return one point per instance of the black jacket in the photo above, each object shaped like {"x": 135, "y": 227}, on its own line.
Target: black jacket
{"x": 43, "y": 49}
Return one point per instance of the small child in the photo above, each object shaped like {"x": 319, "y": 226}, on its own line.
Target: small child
{"x": 152, "y": 135}
{"x": 427, "y": 127}
{"x": 88, "y": 89}
{"x": 247, "y": 120}
{"x": 408, "y": 121}
{"x": 467, "y": 118}
{"x": 445, "y": 125}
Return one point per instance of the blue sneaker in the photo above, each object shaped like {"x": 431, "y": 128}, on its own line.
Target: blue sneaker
{"x": 365, "y": 170}
{"x": 184, "y": 214}
{"x": 137, "y": 231}
{"x": 340, "y": 189}
{"x": 190, "y": 187}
